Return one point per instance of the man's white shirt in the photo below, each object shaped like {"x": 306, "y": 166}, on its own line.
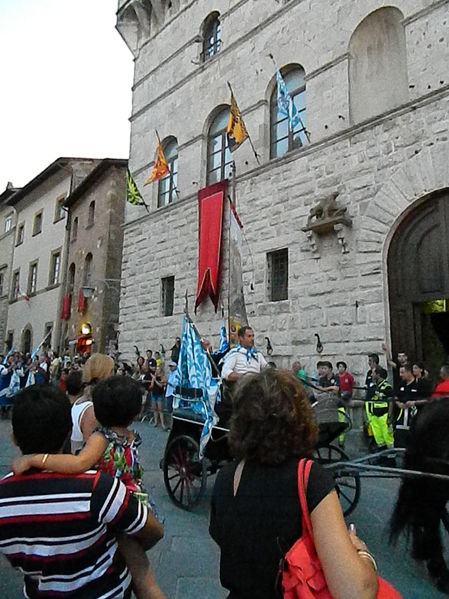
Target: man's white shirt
{"x": 237, "y": 361}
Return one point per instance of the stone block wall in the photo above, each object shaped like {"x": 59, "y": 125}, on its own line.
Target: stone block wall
{"x": 380, "y": 167}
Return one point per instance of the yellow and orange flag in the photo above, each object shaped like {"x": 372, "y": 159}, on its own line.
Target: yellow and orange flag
{"x": 160, "y": 166}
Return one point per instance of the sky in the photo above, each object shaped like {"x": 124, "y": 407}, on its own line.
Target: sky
{"x": 65, "y": 85}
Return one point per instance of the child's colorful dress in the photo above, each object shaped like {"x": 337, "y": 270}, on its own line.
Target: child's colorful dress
{"x": 120, "y": 459}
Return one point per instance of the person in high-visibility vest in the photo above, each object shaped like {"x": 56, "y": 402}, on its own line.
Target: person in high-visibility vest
{"x": 381, "y": 410}
{"x": 370, "y": 386}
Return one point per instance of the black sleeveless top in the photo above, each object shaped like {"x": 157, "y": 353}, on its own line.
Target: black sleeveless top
{"x": 264, "y": 514}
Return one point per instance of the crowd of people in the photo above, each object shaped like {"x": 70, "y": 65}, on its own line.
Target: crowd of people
{"x": 89, "y": 518}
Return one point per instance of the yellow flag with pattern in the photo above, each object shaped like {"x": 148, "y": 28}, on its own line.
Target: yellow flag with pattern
{"x": 236, "y": 130}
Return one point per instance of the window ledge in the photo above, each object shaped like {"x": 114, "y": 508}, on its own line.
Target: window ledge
{"x": 36, "y": 233}
{"x": 52, "y": 286}
{"x": 90, "y": 225}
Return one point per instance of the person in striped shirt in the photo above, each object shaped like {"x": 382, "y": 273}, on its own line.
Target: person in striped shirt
{"x": 61, "y": 530}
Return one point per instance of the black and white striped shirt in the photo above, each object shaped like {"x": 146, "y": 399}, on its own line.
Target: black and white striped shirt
{"x": 60, "y": 531}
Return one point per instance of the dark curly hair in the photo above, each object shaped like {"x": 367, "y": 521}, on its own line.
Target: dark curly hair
{"x": 117, "y": 400}
{"x": 272, "y": 418}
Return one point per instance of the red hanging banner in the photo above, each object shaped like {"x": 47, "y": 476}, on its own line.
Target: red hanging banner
{"x": 66, "y": 305}
{"x": 81, "y": 302}
{"x": 210, "y": 226}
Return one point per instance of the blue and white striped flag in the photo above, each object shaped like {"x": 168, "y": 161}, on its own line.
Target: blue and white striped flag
{"x": 286, "y": 106}
{"x": 224, "y": 343}
{"x": 5, "y": 359}
{"x": 195, "y": 372}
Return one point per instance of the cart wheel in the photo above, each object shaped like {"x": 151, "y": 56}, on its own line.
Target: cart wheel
{"x": 185, "y": 475}
{"x": 347, "y": 485}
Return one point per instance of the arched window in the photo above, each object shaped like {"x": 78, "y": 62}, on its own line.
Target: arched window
{"x": 378, "y": 78}
{"x": 91, "y": 217}
{"x": 168, "y": 185}
{"x": 282, "y": 138}
{"x": 75, "y": 229}
{"x": 211, "y": 36}
{"x": 87, "y": 274}
{"x": 219, "y": 157}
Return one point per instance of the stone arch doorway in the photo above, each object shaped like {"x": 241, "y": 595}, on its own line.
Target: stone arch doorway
{"x": 418, "y": 279}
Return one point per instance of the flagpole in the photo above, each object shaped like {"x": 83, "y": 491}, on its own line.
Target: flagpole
{"x": 298, "y": 115}
{"x": 256, "y": 155}
{"x": 233, "y": 200}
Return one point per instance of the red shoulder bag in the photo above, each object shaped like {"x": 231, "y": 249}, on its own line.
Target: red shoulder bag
{"x": 302, "y": 574}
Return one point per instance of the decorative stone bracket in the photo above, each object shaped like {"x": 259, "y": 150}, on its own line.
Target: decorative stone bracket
{"x": 324, "y": 218}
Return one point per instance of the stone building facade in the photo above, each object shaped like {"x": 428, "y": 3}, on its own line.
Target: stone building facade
{"x": 374, "y": 96}
{"x": 94, "y": 258}
{"x": 7, "y": 237}
{"x": 34, "y": 290}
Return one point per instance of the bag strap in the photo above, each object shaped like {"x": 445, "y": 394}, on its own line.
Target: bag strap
{"x": 304, "y": 466}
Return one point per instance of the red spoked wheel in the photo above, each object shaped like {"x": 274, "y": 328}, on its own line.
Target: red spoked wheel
{"x": 185, "y": 475}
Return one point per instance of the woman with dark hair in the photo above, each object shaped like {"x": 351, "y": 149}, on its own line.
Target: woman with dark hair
{"x": 421, "y": 503}
{"x": 256, "y": 513}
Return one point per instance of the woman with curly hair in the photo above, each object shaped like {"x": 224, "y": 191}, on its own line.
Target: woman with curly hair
{"x": 256, "y": 513}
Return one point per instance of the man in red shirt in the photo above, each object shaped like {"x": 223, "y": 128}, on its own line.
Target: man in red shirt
{"x": 442, "y": 388}
{"x": 346, "y": 383}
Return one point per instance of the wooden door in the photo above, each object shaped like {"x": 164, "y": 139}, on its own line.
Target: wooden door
{"x": 418, "y": 271}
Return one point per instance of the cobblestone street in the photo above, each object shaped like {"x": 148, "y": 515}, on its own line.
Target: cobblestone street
{"x": 186, "y": 561}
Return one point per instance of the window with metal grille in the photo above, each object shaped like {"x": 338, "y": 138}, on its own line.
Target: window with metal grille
{"x": 219, "y": 159}
{"x": 168, "y": 183}
{"x": 47, "y": 328}
{"x": 87, "y": 274}
{"x": 168, "y": 295}
{"x": 283, "y": 139}
{"x": 8, "y": 224}
{"x": 55, "y": 265}
{"x": 37, "y": 225}
{"x": 278, "y": 275}
{"x": 75, "y": 228}
{"x": 32, "y": 279}
{"x": 20, "y": 233}
{"x": 211, "y": 36}
{"x": 15, "y": 289}
{"x": 2, "y": 282}
{"x": 91, "y": 216}
{"x": 59, "y": 209}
